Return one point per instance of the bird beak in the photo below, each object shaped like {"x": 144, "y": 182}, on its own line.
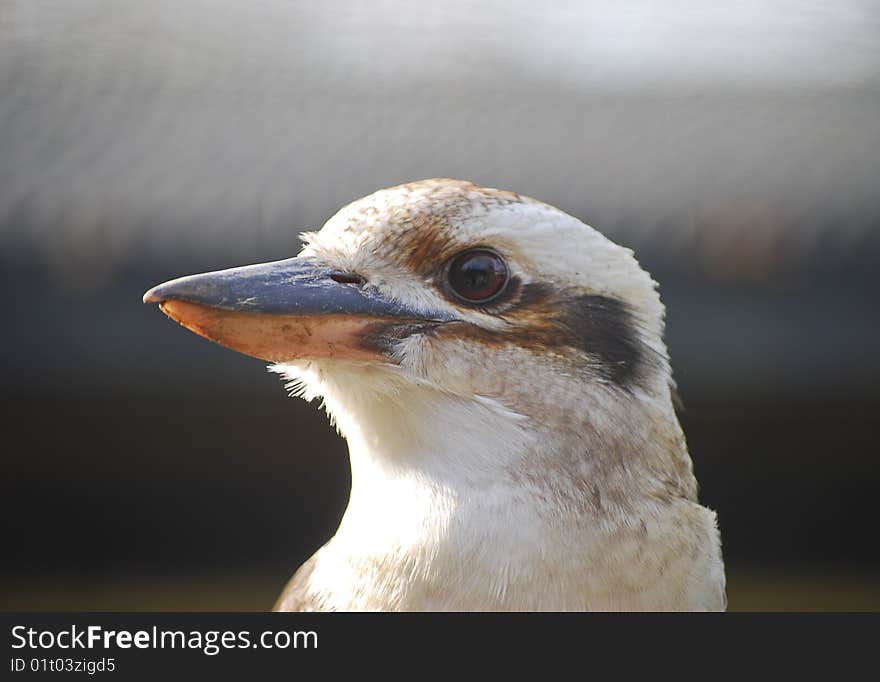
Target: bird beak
{"x": 286, "y": 310}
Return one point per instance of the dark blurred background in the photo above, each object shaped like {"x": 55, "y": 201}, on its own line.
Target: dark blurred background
{"x": 734, "y": 146}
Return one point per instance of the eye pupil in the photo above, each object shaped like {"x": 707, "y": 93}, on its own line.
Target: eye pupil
{"x": 478, "y": 275}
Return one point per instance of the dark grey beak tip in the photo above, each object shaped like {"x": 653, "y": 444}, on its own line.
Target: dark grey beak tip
{"x": 154, "y": 295}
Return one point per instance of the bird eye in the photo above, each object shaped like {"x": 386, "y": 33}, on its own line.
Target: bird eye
{"x": 478, "y": 275}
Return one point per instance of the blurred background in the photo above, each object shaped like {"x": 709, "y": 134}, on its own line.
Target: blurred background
{"x": 734, "y": 145}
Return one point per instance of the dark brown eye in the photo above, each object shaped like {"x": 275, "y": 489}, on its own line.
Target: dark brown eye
{"x": 478, "y": 275}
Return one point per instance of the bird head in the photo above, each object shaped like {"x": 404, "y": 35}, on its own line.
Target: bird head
{"x": 440, "y": 310}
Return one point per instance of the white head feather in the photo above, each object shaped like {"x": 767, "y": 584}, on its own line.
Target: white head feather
{"x": 489, "y": 471}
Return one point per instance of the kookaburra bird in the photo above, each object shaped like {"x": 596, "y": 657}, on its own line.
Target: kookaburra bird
{"x": 499, "y": 372}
